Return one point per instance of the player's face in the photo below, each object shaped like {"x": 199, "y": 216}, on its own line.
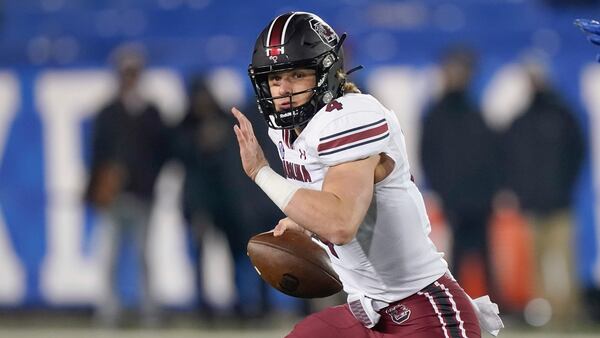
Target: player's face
{"x": 292, "y": 88}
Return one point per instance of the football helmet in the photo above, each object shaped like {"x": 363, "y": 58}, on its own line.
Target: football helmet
{"x": 297, "y": 40}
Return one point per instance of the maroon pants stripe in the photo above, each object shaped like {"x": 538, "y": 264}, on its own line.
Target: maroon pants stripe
{"x": 442, "y": 301}
{"x": 440, "y": 310}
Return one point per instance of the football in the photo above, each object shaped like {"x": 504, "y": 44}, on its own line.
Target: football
{"x": 293, "y": 264}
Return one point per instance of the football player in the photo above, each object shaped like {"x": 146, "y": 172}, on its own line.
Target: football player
{"x": 348, "y": 182}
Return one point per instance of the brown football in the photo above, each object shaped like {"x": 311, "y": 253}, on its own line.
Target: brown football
{"x": 293, "y": 264}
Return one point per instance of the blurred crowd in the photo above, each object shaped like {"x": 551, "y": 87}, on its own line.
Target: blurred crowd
{"x": 529, "y": 168}
{"x": 130, "y": 144}
{"x": 474, "y": 174}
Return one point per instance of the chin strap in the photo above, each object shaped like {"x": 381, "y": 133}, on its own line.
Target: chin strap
{"x": 339, "y": 44}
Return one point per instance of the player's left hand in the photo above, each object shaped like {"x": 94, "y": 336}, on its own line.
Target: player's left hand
{"x": 287, "y": 224}
{"x": 251, "y": 153}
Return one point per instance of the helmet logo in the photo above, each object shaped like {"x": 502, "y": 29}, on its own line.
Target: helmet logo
{"x": 273, "y": 58}
{"x": 325, "y": 33}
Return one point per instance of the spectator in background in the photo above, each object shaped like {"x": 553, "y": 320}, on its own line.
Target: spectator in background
{"x": 206, "y": 148}
{"x": 544, "y": 150}
{"x": 129, "y": 147}
{"x": 459, "y": 157}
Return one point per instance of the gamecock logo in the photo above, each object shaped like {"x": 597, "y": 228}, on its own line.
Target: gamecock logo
{"x": 325, "y": 33}
{"x": 399, "y": 313}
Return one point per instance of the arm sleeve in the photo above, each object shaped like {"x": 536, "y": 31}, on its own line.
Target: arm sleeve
{"x": 352, "y": 137}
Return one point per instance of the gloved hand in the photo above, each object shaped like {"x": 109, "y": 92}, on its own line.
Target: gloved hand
{"x": 592, "y": 31}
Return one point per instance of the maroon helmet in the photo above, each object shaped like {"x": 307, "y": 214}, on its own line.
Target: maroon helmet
{"x": 297, "y": 40}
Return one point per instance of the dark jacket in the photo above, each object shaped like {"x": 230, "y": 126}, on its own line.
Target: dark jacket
{"x": 213, "y": 171}
{"x": 544, "y": 150}
{"x": 459, "y": 154}
{"x": 138, "y": 143}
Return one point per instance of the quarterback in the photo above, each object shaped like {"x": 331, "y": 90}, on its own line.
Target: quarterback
{"x": 347, "y": 182}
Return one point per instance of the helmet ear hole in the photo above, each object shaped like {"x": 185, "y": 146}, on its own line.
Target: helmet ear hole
{"x": 328, "y": 61}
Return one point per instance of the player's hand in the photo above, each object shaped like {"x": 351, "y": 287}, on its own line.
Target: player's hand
{"x": 591, "y": 29}
{"x": 251, "y": 153}
{"x": 288, "y": 224}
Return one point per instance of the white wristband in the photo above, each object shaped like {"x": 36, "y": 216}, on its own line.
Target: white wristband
{"x": 279, "y": 190}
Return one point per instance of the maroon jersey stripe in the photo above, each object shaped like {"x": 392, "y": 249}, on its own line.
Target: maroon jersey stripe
{"x": 353, "y": 137}
{"x": 348, "y": 131}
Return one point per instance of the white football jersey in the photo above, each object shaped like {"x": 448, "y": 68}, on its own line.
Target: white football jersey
{"x": 391, "y": 256}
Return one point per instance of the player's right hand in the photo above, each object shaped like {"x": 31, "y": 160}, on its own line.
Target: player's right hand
{"x": 251, "y": 153}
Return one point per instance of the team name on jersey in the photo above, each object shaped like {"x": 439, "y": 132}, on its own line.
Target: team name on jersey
{"x": 296, "y": 171}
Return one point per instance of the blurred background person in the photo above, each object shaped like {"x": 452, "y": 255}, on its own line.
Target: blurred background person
{"x": 204, "y": 147}
{"x": 459, "y": 159}
{"x": 129, "y": 147}
{"x": 544, "y": 150}
{"x": 213, "y": 195}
